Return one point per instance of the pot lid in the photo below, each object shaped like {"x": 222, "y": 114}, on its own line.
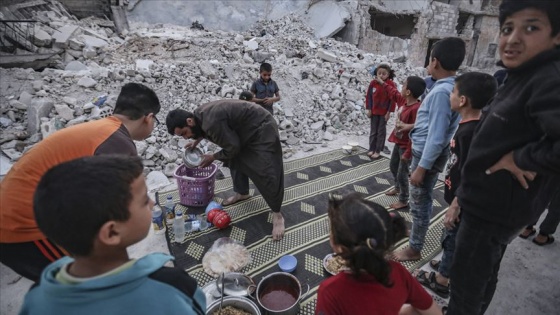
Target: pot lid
{"x": 236, "y": 284}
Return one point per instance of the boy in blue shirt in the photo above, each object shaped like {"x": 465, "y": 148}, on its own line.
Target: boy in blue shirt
{"x": 434, "y": 127}
{"x": 95, "y": 207}
{"x": 265, "y": 89}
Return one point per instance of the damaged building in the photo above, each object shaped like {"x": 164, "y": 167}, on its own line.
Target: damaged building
{"x": 407, "y": 29}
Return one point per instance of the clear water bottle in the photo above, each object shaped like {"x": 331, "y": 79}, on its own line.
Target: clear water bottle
{"x": 157, "y": 220}
{"x": 169, "y": 208}
{"x": 179, "y": 226}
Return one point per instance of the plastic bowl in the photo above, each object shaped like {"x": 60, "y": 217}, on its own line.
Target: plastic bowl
{"x": 287, "y": 263}
{"x": 354, "y": 145}
{"x": 347, "y": 149}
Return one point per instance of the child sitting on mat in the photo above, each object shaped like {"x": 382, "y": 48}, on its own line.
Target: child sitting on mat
{"x": 361, "y": 233}
{"x": 95, "y": 207}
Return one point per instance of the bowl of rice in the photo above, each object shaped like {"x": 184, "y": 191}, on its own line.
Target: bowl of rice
{"x": 233, "y": 305}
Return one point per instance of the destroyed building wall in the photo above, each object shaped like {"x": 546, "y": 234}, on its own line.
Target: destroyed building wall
{"x": 85, "y": 8}
{"x": 486, "y": 53}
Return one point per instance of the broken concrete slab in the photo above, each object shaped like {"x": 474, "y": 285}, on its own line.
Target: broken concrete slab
{"x": 39, "y": 108}
{"x": 207, "y": 70}
{"x": 327, "y": 55}
{"x": 87, "y": 82}
{"x": 63, "y": 34}
{"x": 93, "y": 42}
{"x": 41, "y": 38}
{"x": 64, "y": 111}
{"x": 75, "y": 66}
{"x": 327, "y": 18}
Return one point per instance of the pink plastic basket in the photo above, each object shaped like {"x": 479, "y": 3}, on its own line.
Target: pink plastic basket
{"x": 196, "y": 185}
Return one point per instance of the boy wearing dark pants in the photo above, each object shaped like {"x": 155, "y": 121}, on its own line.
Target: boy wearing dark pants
{"x": 435, "y": 125}
{"x": 408, "y": 103}
{"x": 514, "y": 159}
{"x": 115, "y": 212}
{"x": 471, "y": 93}
{"x": 264, "y": 89}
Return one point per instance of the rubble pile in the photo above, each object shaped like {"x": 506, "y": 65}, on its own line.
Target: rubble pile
{"x": 322, "y": 83}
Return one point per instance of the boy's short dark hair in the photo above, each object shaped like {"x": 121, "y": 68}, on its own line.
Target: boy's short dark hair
{"x": 136, "y": 100}
{"x": 416, "y": 86}
{"x": 265, "y": 67}
{"x": 246, "y": 96}
{"x": 177, "y": 118}
{"x": 450, "y": 52}
{"x": 478, "y": 87}
{"x": 74, "y": 199}
{"x": 550, "y": 7}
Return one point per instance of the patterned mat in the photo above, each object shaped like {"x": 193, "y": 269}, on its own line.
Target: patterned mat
{"x": 308, "y": 181}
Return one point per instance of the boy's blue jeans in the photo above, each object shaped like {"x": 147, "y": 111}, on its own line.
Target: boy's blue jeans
{"x": 399, "y": 169}
{"x": 480, "y": 246}
{"x": 448, "y": 244}
{"x": 421, "y": 199}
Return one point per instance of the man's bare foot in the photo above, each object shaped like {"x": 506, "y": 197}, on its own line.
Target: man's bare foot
{"x": 398, "y": 205}
{"x": 277, "y": 226}
{"x": 376, "y": 155}
{"x": 392, "y": 192}
{"x": 406, "y": 254}
{"x": 235, "y": 198}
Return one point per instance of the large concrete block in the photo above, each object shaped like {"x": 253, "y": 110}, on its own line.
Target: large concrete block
{"x": 41, "y": 38}
{"x": 63, "y": 34}
{"x": 93, "y": 42}
{"x": 40, "y": 107}
{"x": 327, "y": 55}
{"x": 327, "y": 18}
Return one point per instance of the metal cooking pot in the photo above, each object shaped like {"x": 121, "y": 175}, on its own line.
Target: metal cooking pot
{"x": 235, "y": 301}
{"x": 280, "y": 293}
{"x": 236, "y": 284}
{"x": 192, "y": 157}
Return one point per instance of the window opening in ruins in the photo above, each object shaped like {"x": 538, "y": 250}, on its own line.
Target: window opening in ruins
{"x": 492, "y": 50}
{"x": 395, "y": 25}
{"x": 431, "y": 43}
{"x": 462, "y": 22}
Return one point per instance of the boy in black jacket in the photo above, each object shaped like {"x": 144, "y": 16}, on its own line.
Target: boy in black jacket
{"x": 514, "y": 158}
{"x": 472, "y": 91}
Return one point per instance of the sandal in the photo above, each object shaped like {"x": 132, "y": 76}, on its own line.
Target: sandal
{"x": 525, "y": 236}
{"x": 235, "y": 199}
{"x": 549, "y": 240}
{"x": 392, "y": 192}
{"x": 430, "y": 282}
{"x": 398, "y": 205}
{"x": 434, "y": 264}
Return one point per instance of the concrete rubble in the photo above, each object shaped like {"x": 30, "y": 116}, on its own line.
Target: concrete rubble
{"x": 322, "y": 82}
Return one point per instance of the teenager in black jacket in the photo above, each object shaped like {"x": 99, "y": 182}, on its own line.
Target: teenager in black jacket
{"x": 514, "y": 159}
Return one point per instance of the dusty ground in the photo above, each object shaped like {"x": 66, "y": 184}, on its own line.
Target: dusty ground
{"x": 529, "y": 282}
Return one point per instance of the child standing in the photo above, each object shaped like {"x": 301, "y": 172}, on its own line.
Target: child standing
{"x": 471, "y": 93}
{"x": 408, "y": 104}
{"x": 514, "y": 159}
{"x": 265, "y": 89}
{"x": 361, "y": 232}
{"x": 435, "y": 125}
{"x": 95, "y": 207}
{"x": 379, "y": 108}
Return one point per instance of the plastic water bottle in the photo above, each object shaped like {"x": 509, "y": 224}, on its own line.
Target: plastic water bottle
{"x": 169, "y": 207}
{"x": 179, "y": 226}
{"x": 157, "y": 220}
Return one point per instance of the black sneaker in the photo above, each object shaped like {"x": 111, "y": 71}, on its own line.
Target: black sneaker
{"x": 220, "y": 175}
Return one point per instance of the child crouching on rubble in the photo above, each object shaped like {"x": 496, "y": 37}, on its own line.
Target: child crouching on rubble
{"x": 361, "y": 232}
{"x": 95, "y": 207}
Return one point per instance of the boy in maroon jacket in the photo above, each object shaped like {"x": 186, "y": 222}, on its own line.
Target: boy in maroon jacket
{"x": 408, "y": 103}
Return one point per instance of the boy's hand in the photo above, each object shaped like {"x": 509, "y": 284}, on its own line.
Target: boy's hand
{"x": 417, "y": 177}
{"x": 368, "y": 113}
{"x": 207, "y": 159}
{"x": 379, "y": 80}
{"x": 404, "y": 158}
{"x": 387, "y": 116}
{"x": 507, "y": 163}
{"x": 267, "y": 101}
{"x": 192, "y": 145}
{"x": 452, "y": 215}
